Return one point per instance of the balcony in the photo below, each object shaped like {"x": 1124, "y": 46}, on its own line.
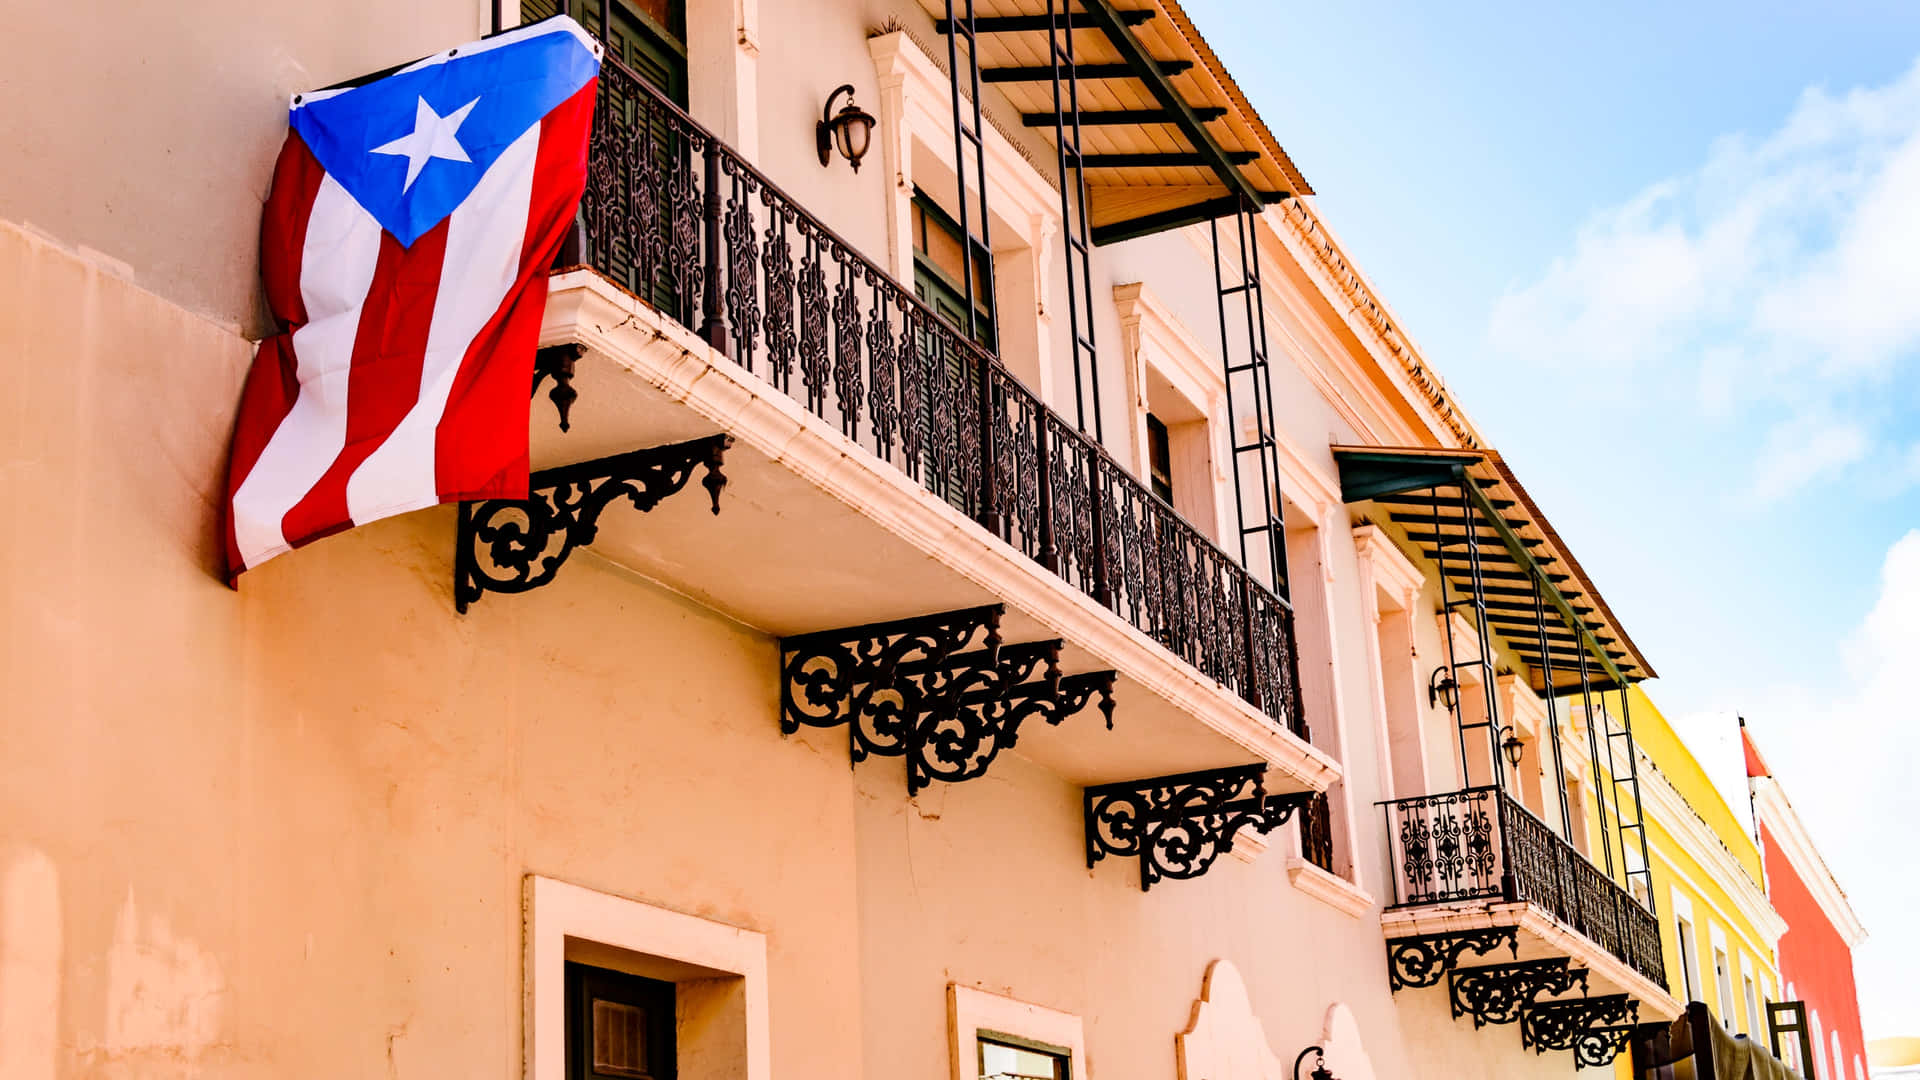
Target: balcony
{"x": 884, "y": 465}
{"x": 1476, "y": 872}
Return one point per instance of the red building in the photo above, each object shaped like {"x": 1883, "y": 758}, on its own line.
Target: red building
{"x": 1816, "y": 953}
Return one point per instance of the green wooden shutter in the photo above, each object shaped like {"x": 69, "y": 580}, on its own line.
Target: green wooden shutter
{"x": 651, "y": 52}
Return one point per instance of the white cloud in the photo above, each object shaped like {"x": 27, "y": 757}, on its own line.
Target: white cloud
{"x": 1778, "y": 278}
{"x": 1803, "y": 449}
{"x": 1846, "y": 761}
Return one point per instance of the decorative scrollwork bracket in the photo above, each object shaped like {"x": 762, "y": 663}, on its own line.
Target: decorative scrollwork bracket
{"x": 1497, "y": 993}
{"x": 1598, "y": 1046}
{"x": 1565, "y": 1025}
{"x": 516, "y": 545}
{"x": 940, "y": 690}
{"x": 1422, "y": 960}
{"x": 1178, "y": 826}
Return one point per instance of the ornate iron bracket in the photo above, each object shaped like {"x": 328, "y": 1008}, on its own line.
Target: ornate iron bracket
{"x": 556, "y": 362}
{"x": 1422, "y": 960}
{"x": 1497, "y": 993}
{"x": 1598, "y": 1046}
{"x": 1179, "y": 825}
{"x": 1566, "y": 1025}
{"x": 516, "y": 545}
{"x": 940, "y": 690}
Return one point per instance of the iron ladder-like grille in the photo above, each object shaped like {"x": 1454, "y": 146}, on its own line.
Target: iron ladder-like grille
{"x": 1073, "y": 214}
{"x": 1476, "y": 599}
{"x": 1250, "y": 397}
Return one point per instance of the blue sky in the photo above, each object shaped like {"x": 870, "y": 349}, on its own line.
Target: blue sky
{"x": 1668, "y": 255}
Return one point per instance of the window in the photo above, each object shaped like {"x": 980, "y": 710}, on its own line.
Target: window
{"x": 621, "y": 990}
{"x": 619, "y": 1026}
{"x": 939, "y": 270}
{"x": 1689, "y": 964}
{"x": 1159, "y": 461}
{"x": 1003, "y": 1057}
{"x": 1753, "y": 1009}
{"x": 1839, "y": 1058}
{"x": 1723, "y": 982}
{"x": 648, "y": 38}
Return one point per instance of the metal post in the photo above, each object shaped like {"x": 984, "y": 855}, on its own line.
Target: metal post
{"x": 713, "y": 325}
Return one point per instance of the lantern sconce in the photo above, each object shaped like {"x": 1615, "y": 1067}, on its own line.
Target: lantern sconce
{"x": 1319, "y": 1065}
{"x": 1512, "y": 747}
{"x": 1442, "y": 689}
{"x": 850, "y": 130}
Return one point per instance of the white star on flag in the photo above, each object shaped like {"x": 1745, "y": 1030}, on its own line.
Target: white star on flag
{"x": 432, "y": 137}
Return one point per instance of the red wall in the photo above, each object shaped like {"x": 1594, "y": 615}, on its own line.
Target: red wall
{"x": 1816, "y": 960}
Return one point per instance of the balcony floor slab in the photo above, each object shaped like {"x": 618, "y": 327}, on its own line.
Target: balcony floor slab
{"x": 816, "y": 532}
{"x": 1541, "y": 937}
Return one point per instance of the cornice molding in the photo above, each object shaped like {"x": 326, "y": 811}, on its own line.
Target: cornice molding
{"x": 1350, "y": 286}
{"x": 1783, "y": 821}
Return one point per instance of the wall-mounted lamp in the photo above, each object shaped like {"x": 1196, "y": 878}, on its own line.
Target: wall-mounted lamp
{"x": 850, "y": 129}
{"x": 1512, "y": 747}
{"x": 1319, "y": 1065}
{"x": 1442, "y": 689}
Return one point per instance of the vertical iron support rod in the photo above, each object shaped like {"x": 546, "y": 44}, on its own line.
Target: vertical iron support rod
{"x": 713, "y": 325}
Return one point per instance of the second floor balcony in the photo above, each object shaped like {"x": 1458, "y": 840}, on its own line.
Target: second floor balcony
{"x": 1480, "y": 846}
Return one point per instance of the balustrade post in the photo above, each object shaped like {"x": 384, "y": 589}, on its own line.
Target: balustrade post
{"x": 1509, "y": 882}
{"x": 989, "y": 515}
{"x": 713, "y": 321}
{"x": 1049, "y": 554}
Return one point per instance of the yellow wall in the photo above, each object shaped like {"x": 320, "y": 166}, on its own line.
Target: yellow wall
{"x": 1686, "y": 878}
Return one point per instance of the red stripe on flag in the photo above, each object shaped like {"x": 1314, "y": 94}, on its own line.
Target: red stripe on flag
{"x": 480, "y": 446}
{"x": 283, "y": 229}
{"x": 384, "y": 382}
{"x": 272, "y": 386}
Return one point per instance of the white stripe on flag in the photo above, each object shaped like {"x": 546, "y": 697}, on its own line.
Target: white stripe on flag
{"x": 484, "y": 237}
{"x": 338, "y": 256}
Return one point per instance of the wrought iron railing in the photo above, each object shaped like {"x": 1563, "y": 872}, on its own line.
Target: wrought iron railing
{"x": 1481, "y": 844}
{"x": 678, "y": 218}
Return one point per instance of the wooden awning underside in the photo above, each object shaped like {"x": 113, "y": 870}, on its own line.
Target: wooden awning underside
{"x": 1168, "y": 138}
{"x": 1419, "y": 490}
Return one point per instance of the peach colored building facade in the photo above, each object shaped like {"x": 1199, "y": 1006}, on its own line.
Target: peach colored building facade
{"x": 328, "y": 824}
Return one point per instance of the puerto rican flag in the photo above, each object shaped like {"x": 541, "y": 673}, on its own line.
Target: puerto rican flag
{"x": 405, "y": 248}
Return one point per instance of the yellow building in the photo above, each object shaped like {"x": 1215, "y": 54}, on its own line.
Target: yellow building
{"x": 1718, "y": 932}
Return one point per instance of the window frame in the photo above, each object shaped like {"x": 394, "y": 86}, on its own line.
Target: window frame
{"x": 560, "y": 920}
{"x": 972, "y": 1013}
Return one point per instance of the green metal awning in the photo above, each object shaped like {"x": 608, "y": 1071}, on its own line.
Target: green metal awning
{"x": 1452, "y": 501}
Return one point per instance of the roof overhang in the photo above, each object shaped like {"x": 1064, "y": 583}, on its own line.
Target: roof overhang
{"x": 1432, "y": 496}
{"x": 1167, "y": 137}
